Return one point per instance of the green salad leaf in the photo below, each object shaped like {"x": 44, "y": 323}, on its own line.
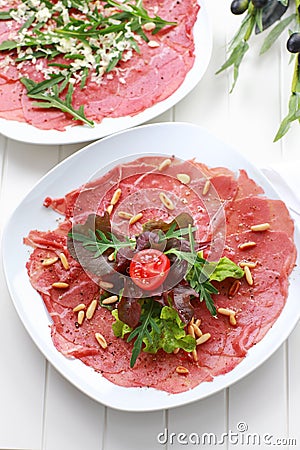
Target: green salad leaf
{"x": 91, "y": 40}
{"x": 169, "y": 334}
{"x": 159, "y": 328}
{"x": 120, "y": 328}
{"x": 226, "y": 268}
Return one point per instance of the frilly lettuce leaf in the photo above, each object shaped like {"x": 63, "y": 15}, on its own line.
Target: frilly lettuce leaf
{"x": 226, "y": 268}
{"x": 171, "y": 334}
{"x": 168, "y": 334}
{"x": 119, "y": 328}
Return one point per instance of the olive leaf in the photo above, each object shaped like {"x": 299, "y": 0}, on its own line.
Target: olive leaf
{"x": 270, "y": 13}
{"x": 284, "y": 2}
{"x": 294, "y": 104}
{"x": 239, "y": 44}
{"x": 276, "y": 32}
{"x": 235, "y": 60}
{"x": 260, "y": 18}
{"x": 293, "y": 114}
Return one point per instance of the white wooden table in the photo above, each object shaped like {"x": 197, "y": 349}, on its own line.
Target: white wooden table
{"x": 39, "y": 409}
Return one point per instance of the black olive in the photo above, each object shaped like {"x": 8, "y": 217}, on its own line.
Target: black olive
{"x": 272, "y": 12}
{"x": 293, "y": 43}
{"x": 239, "y": 6}
{"x": 259, "y": 3}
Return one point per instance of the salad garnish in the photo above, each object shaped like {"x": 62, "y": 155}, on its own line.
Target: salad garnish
{"x": 77, "y": 39}
{"x": 157, "y": 314}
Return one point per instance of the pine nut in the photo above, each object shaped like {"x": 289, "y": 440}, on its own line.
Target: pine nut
{"x": 197, "y": 330}
{"x": 64, "y": 261}
{"x": 153, "y": 44}
{"x": 101, "y": 340}
{"x": 176, "y": 350}
{"x": 202, "y": 339}
{"x": 49, "y": 261}
{"x": 111, "y": 257}
{"x": 191, "y": 330}
{"x": 116, "y": 197}
{"x": 232, "y": 319}
{"x": 110, "y": 300}
{"x": 79, "y": 307}
{"x": 80, "y": 317}
{"x": 125, "y": 215}
{"x": 229, "y": 313}
{"x": 164, "y": 164}
{"x": 198, "y": 322}
{"x": 234, "y": 288}
{"x": 109, "y": 209}
{"x": 166, "y": 201}
{"x": 247, "y": 245}
{"x": 149, "y": 26}
{"x": 260, "y": 227}
{"x": 195, "y": 355}
{"x": 250, "y": 264}
{"x": 184, "y": 178}
{"x": 91, "y": 309}
{"x": 106, "y": 285}
{"x": 206, "y": 187}
{"x": 248, "y": 275}
{"x": 60, "y": 285}
{"x": 135, "y": 218}
{"x": 182, "y": 370}
{"x": 226, "y": 312}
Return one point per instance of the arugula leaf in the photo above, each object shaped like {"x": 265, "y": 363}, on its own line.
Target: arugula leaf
{"x": 8, "y": 45}
{"x": 203, "y": 272}
{"x": 199, "y": 281}
{"x": 37, "y": 88}
{"x": 142, "y": 331}
{"x": 5, "y": 15}
{"x": 52, "y": 100}
{"x": 159, "y": 328}
{"x": 97, "y": 242}
{"x": 205, "y": 291}
{"x": 46, "y": 42}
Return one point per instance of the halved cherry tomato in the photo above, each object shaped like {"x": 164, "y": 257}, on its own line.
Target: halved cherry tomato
{"x": 149, "y": 268}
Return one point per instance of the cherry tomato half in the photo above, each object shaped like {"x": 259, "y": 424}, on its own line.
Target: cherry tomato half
{"x": 149, "y": 269}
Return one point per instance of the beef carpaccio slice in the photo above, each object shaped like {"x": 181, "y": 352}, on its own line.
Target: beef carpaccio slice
{"x": 257, "y": 306}
{"x": 150, "y": 76}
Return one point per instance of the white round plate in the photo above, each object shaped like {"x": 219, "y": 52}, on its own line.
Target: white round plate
{"x": 185, "y": 141}
{"x": 203, "y": 47}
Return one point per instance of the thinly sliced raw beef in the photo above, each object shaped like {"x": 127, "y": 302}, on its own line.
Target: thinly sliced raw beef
{"x": 150, "y": 76}
{"x": 256, "y": 306}
{"x": 248, "y": 211}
